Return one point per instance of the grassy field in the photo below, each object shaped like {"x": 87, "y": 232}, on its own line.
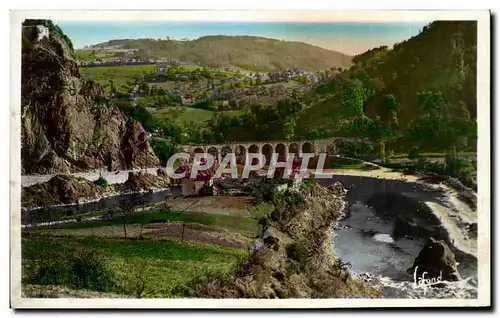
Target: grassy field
{"x": 155, "y": 259}
{"x": 118, "y": 74}
{"x": 243, "y": 225}
{"x": 184, "y": 114}
{"x": 162, "y": 268}
{"x": 253, "y": 68}
{"x": 188, "y": 114}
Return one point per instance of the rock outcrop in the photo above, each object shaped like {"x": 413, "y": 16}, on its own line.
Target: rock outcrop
{"x": 143, "y": 182}
{"x": 295, "y": 259}
{"x": 68, "y": 124}
{"x": 437, "y": 260}
{"x": 61, "y": 189}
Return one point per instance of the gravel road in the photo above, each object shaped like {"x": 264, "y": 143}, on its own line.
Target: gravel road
{"x": 112, "y": 177}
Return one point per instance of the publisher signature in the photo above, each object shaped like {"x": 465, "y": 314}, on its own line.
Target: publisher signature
{"x": 423, "y": 282}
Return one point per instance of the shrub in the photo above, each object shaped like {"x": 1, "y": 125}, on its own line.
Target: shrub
{"x": 355, "y": 149}
{"x": 296, "y": 252}
{"x": 286, "y": 204}
{"x": 81, "y": 269}
{"x": 207, "y": 275}
{"x": 162, "y": 148}
{"x": 414, "y": 153}
{"x": 47, "y": 215}
{"x": 205, "y": 190}
{"x": 455, "y": 166}
{"x": 102, "y": 182}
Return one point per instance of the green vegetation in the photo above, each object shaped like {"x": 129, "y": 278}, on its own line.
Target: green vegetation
{"x": 253, "y": 68}
{"x": 101, "y": 181}
{"x": 139, "y": 268}
{"x": 241, "y": 225}
{"x": 183, "y": 115}
{"x": 120, "y": 75}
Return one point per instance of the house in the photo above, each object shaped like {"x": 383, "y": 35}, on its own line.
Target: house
{"x": 43, "y": 32}
{"x": 162, "y": 68}
{"x": 188, "y": 99}
{"x": 192, "y": 186}
{"x": 111, "y": 59}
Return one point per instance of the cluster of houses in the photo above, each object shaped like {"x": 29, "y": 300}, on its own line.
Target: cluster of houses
{"x": 117, "y": 61}
{"x": 192, "y": 185}
{"x": 188, "y": 99}
{"x": 289, "y": 74}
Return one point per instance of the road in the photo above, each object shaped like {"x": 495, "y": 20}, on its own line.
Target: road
{"x": 112, "y": 177}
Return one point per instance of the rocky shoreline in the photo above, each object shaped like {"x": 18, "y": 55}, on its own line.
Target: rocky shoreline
{"x": 61, "y": 190}
{"x": 295, "y": 260}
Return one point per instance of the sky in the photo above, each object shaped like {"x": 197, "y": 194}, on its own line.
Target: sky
{"x": 346, "y": 37}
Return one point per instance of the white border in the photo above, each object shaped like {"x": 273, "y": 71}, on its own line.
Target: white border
{"x": 483, "y": 101}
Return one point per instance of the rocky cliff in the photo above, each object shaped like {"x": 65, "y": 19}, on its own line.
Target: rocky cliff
{"x": 67, "y": 123}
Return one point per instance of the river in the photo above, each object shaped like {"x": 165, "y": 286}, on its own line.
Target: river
{"x": 365, "y": 238}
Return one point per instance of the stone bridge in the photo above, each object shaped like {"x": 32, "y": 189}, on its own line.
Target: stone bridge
{"x": 267, "y": 148}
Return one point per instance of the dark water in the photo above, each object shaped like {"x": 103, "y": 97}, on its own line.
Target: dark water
{"x": 110, "y": 202}
{"x": 365, "y": 239}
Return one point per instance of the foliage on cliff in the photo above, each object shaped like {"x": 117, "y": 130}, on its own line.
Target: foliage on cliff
{"x": 294, "y": 258}
{"x": 441, "y": 60}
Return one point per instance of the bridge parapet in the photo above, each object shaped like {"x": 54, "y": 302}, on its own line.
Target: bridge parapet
{"x": 285, "y": 146}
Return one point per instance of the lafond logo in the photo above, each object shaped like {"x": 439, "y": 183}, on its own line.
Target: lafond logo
{"x": 423, "y": 282}
{"x": 205, "y": 165}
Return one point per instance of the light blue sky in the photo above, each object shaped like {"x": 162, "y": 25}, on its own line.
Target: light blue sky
{"x": 347, "y": 37}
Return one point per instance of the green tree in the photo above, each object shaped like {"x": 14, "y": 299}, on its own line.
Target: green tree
{"x": 439, "y": 127}
{"x": 163, "y": 148}
{"x": 353, "y": 99}
{"x": 391, "y": 107}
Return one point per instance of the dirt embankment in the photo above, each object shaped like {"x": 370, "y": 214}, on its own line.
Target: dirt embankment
{"x": 67, "y": 189}
{"x": 295, "y": 259}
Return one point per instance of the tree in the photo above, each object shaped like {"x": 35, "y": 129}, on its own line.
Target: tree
{"x": 353, "y": 99}
{"x": 439, "y": 127}
{"x": 163, "y": 148}
{"x": 391, "y": 106}
{"x": 289, "y": 129}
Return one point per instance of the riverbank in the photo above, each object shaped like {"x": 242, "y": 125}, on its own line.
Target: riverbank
{"x": 292, "y": 257}
{"x": 112, "y": 177}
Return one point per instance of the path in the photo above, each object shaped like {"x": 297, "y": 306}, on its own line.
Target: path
{"x": 112, "y": 177}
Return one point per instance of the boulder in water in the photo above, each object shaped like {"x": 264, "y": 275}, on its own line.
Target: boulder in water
{"x": 436, "y": 260}
{"x": 161, "y": 173}
{"x": 338, "y": 189}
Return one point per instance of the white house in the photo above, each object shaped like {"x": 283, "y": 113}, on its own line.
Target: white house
{"x": 43, "y": 32}
{"x": 188, "y": 100}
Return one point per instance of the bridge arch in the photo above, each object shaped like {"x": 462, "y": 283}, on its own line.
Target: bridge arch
{"x": 281, "y": 151}
{"x": 198, "y": 150}
{"x": 308, "y": 147}
{"x": 240, "y": 151}
{"x": 294, "y": 148}
{"x": 214, "y": 152}
{"x": 253, "y": 149}
{"x": 225, "y": 150}
{"x": 267, "y": 151}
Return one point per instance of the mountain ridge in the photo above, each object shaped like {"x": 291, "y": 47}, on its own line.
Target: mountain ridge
{"x": 227, "y": 50}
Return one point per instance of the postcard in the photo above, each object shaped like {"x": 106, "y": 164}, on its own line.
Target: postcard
{"x": 250, "y": 159}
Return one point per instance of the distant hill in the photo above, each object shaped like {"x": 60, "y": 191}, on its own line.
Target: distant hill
{"x": 441, "y": 58}
{"x": 242, "y": 51}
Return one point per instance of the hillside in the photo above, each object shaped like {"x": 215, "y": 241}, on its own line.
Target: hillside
{"x": 67, "y": 123}
{"x": 442, "y": 58}
{"x": 241, "y": 51}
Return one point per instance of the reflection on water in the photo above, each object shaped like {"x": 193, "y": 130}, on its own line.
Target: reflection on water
{"x": 362, "y": 240}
